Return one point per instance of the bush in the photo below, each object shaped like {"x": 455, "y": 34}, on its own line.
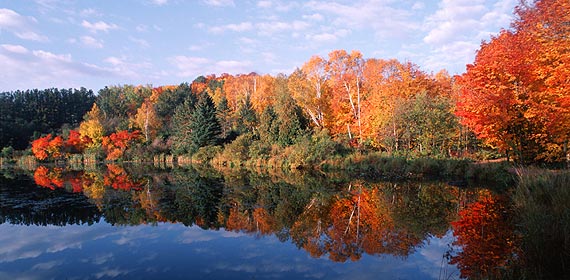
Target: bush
{"x": 205, "y": 154}
{"x": 7, "y": 152}
{"x": 311, "y": 151}
{"x": 236, "y": 152}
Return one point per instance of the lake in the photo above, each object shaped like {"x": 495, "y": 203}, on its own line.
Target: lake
{"x": 126, "y": 222}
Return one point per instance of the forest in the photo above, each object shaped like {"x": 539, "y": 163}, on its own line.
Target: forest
{"x": 512, "y": 102}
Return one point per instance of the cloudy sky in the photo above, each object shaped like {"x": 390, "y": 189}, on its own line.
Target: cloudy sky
{"x": 73, "y": 43}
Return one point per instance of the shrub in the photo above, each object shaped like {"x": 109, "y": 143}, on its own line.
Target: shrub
{"x": 205, "y": 154}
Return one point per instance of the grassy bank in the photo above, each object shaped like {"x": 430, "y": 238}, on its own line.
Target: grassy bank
{"x": 541, "y": 202}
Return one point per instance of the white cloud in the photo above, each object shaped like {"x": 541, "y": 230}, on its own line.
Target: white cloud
{"x": 200, "y": 46}
{"x": 220, "y": 3}
{"x": 266, "y": 28}
{"x": 141, "y": 42}
{"x": 456, "y": 29}
{"x": 90, "y": 12}
{"x": 418, "y": 6}
{"x": 141, "y": 28}
{"x": 47, "y": 265}
{"x": 454, "y": 19}
{"x": 271, "y": 27}
{"x": 20, "y": 26}
{"x": 264, "y": 4}
{"x": 50, "y": 57}
{"x": 91, "y": 42}
{"x": 314, "y": 17}
{"x": 277, "y": 5}
{"x": 379, "y": 15}
{"x": 327, "y": 37}
{"x": 32, "y": 36}
{"x": 159, "y": 2}
{"x": 239, "y": 27}
{"x": 269, "y": 58}
{"x": 44, "y": 69}
{"x": 122, "y": 67}
{"x": 11, "y": 19}
{"x": 111, "y": 273}
{"x": 190, "y": 66}
{"x": 98, "y": 26}
{"x": 15, "y": 49}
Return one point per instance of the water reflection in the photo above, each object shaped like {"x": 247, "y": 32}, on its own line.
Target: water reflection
{"x": 340, "y": 220}
{"x": 485, "y": 232}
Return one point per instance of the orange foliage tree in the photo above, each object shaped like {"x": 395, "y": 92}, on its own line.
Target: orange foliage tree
{"x": 47, "y": 147}
{"x": 75, "y": 143}
{"x": 117, "y": 143}
{"x": 309, "y": 87}
{"x": 346, "y": 74}
{"x": 515, "y": 95}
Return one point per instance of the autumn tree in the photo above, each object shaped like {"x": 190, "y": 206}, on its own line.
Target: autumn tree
{"x": 513, "y": 96}
{"x": 147, "y": 120}
{"x": 309, "y": 88}
{"x": 75, "y": 143}
{"x": 428, "y": 124}
{"x": 117, "y": 143}
{"x": 92, "y": 128}
{"x": 45, "y": 147}
{"x": 346, "y": 74}
{"x": 391, "y": 86}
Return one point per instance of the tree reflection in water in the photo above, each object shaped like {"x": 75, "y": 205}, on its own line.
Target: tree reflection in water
{"x": 338, "y": 219}
{"x": 486, "y": 235}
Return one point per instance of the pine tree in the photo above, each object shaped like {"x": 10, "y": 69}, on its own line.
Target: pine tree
{"x": 247, "y": 118}
{"x": 290, "y": 122}
{"x": 205, "y": 128}
{"x": 268, "y": 129}
{"x": 224, "y": 114}
{"x": 182, "y": 126}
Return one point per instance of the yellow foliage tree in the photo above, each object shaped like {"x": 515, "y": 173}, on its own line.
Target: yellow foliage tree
{"x": 147, "y": 120}
{"x": 92, "y": 127}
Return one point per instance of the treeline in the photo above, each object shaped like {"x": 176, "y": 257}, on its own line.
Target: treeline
{"x": 513, "y": 99}
{"x": 26, "y": 115}
{"x": 293, "y": 121}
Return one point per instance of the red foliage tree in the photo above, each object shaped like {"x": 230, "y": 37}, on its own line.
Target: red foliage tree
{"x": 486, "y": 237}
{"x": 117, "y": 143}
{"x": 515, "y": 95}
{"x": 45, "y": 147}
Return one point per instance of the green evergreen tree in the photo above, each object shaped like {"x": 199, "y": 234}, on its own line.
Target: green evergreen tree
{"x": 290, "y": 122}
{"x": 167, "y": 103}
{"x": 268, "y": 129}
{"x": 247, "y": 118}
{"x": 205, "y": 129}
{"x": 224, "y": 114}
{"x": 182, "y": 126}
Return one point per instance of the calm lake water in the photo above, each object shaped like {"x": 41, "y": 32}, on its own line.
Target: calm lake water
{"x": 115, "y": 222}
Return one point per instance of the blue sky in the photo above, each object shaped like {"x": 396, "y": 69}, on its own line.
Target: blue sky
{"x": 67, "y": 43}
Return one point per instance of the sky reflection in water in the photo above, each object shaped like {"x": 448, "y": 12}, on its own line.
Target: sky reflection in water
{"x": 114, "y": 224}
{"x": 174, "y": 251}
